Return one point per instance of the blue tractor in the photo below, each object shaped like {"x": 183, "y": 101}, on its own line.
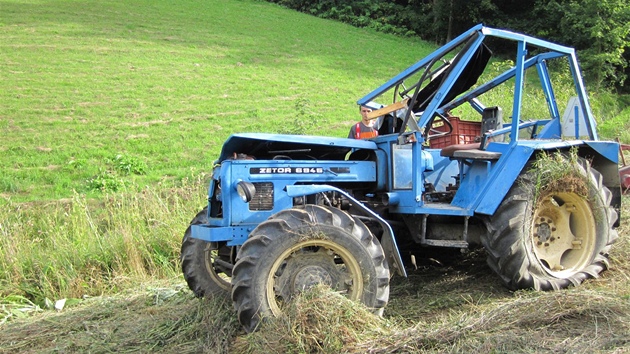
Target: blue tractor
{"x": 541, "y": 194}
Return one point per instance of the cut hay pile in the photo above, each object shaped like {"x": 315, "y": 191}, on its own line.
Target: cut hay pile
{"x": 322, "y": 321}
{"x": 317, "y": 321}
{"x": 153, "y": 319}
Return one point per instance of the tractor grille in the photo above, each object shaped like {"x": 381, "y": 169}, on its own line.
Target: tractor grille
{"x": 263, "y": 199}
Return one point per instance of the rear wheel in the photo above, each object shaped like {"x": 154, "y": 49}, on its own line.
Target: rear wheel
{"x": 558, "y": 240}
{"x": 207, "y": 266}
{"x": 299, "y": 248}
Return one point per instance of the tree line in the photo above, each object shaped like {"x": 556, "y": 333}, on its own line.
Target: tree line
{"x": 598, "y": 29}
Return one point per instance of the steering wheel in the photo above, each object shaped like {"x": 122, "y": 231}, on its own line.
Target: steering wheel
{"x": 432, "y": 131}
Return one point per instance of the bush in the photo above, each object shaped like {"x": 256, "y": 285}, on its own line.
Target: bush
{"x": 400, "y": 19}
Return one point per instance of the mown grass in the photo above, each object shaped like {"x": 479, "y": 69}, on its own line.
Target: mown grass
{"x": 164, "y": 83}
{"x": 156, "y": 317}
{"x": 112, "y": 114}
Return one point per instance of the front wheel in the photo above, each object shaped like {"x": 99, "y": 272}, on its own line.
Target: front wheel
{"x": 207, "y": 266}
{"x": 298, "y": 248}
{"x": 552, "y": 235}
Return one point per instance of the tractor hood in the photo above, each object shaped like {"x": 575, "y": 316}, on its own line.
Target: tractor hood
{"x": 290, "y": 147}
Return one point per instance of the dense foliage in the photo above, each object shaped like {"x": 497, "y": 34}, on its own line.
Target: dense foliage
{"x": 599, "y": 30}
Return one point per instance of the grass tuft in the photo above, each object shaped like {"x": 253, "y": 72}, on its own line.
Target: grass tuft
{"x": 554, "y": 171}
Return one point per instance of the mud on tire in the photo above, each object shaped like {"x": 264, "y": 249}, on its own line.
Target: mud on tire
{"x": 298, "y": 248}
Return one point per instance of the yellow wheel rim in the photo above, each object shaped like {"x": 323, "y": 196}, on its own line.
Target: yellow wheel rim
{"x": 222, "y": 279}
{"x": 564, "y": 234}
{"x": 311, "y": 262}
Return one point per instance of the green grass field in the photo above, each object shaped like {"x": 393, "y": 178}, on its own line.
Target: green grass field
{"x": 111, "y": 115}
{"x": 108, "y": 94}
{"x": 99, "y": 94}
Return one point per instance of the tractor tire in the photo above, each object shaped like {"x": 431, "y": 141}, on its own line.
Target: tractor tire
{"x": 556, "y": 242}
{"x": 298, "y": 248}
{"x": 205, "y": 277}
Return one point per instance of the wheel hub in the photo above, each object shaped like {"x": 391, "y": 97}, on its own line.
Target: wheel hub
{"x": 310, "y": 276}
{"x": 544, "y": 228}
{"x": 305, "y": 269}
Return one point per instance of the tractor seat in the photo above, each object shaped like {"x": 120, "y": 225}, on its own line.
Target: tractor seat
{"x": 450, "y": 150}
{"x": 469, "y": 152}
{"x": 492, "y": 118}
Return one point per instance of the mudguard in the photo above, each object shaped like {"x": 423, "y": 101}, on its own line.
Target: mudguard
{"x": 388, "y": 242}
{"x": 516, "y": 156}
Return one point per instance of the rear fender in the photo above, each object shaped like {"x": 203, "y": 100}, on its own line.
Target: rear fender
{"x": 603, "y": 156}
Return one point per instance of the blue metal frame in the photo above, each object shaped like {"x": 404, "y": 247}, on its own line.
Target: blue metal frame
{"x": 550, "y": 51}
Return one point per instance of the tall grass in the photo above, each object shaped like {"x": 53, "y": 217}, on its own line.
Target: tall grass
{"x": 613, "y": 113}
{"x": 80, "y": 247}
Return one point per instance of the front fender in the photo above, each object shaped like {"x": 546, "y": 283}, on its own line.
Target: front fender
{"x": 388, "y": 242}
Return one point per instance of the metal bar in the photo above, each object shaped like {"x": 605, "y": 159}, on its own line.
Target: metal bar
{"x": 508, "y": 74}
{"x": 524, "y": 38}
{"x": 466, "y": 228}
{"x": 576, "y": 111}
{"x": 224, "y": 264}
{"x": 545, "y": 81}
{"x": 579, "y": 88}
{"x": 521, "y": 52}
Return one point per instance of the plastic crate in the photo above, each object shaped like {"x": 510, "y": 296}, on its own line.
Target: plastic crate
{"x": 464, "y": 132}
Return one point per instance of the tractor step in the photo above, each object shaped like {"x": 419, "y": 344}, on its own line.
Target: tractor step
{"x": 445, "y": 243}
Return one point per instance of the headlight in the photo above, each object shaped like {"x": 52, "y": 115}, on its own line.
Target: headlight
{"x": 245, "y": 190}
